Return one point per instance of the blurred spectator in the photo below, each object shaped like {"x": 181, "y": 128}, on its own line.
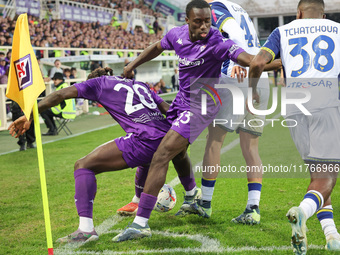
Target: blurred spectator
{"x": 8, "y": 57}
{"x": 72, "y": 34}
{"x": 155, "y": 26}
{"x": 157, "y": 88}
{"x": 151, "y": 31}
{"x": 56, "y": 68}
{"x": 94, "y": 65}
{"x": 28, "y": 136}
{"x": 73, "y": 73}
{"x": 174, "y": 80}
{"x": 67, "y": 73}
{"x": 164, "y": 89}
{"x": 3, "y": 66}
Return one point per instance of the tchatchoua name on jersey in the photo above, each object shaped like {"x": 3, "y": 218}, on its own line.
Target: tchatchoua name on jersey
{"x": 311, "y": 30}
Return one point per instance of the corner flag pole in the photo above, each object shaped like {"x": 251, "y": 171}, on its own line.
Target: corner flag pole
{"x": 42, "y": 179}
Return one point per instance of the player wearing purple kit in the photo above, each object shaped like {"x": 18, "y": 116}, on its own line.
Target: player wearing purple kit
{"x": 138, "y": 111}
{"x": 201, "y": 51}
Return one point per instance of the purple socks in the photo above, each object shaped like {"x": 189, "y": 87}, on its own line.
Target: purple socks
{"x": 86, "y": 188}
{"x": 146, "y": 204}
{"x": 140, "y": 178}
{"x": 187, "y": 182}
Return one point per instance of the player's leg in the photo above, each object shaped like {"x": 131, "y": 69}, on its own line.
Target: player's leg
{"x": 171, "y": 145}
{"x": 319, "y": 190}
{"x": 250, "y": 133}
{"x": 317, "y": 141}
{"x": 140, "y": 177}
{"x": 183, "y": 167}
{"x": 249, "y": 146}
{"x": 325, "y": 216}
{"x": 211, "y": 159}
{"x": 104, "y": 158}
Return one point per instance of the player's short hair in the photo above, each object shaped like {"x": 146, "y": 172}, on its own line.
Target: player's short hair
{"x": 320, "y": 2}
{"x": 200, "y": 4}
{"x": 100, "y": 72}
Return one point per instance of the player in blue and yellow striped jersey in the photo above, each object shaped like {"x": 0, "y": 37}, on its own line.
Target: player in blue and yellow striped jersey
{"x": 309, "y": 49}
{"x": 234, "y": 23}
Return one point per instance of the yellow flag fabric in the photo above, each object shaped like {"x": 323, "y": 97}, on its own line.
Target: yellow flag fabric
{"x": 25, "y": 82}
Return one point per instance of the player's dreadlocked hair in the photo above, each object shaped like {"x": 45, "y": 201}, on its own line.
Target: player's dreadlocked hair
{"x": 100, "y": 72}
{"x": 200, "y": 4}
{"x": 320, "y": 2}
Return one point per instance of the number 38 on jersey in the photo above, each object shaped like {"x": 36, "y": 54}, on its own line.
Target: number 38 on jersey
{"x": 317, "y": 55}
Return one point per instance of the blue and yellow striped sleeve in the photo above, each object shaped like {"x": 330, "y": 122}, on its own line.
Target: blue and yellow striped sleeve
{"x": 220, "y": 15}
{"x": 272, "y": 45}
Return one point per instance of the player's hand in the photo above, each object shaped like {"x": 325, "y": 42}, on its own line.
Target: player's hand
{"x": 128, "y": 73}
{"x": 240, "y": 73}
{"x": 255, "y": 99}
{"x": 277, "y": 64}
{"x": 19, "y": 126}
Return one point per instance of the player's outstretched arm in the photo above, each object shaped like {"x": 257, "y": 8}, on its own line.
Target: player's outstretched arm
{"x": 21, "y": 125}
{"x": 57, "y": 97}
{"x": 149, "y": 53}
{"x": 256, "y": 68}
{"x": 275, "y": 65}
{"x": 244, "y": 59}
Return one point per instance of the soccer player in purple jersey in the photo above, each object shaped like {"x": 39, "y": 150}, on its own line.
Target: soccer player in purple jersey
{"x": 201, "y": 51}
{"x": 139, "y": 112}
{"x": 309, "y": 49}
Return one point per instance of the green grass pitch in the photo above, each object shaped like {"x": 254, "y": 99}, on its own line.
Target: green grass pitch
{"x": 22, "y": 229}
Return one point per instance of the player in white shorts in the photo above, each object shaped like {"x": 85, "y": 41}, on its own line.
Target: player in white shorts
{"x": 310, "y": 48}
{"x": 234, "y": 23}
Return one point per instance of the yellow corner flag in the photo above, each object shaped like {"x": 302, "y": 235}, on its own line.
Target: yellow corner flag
{"x": 25, "y": 82}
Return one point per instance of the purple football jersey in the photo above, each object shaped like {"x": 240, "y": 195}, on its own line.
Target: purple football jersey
{"x": 200, "y": 59}
{"x": 131, "y": 103}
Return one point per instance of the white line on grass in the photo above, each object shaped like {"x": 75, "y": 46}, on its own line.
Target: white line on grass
{"x": 67, "y": 137}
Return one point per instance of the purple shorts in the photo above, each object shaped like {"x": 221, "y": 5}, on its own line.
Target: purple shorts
{"x": 137, "y": 152}
{"x": 187, "y": 120}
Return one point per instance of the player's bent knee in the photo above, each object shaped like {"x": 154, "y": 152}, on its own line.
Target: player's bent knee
{"x": 80, "y": 163}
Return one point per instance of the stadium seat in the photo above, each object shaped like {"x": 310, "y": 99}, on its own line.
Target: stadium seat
{"x": 62, "y": 125}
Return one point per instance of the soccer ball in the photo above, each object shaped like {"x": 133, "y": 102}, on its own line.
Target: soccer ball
{"x": 166, "y": 199}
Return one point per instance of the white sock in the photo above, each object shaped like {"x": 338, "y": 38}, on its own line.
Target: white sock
{"x": 207, "y": 193}
{"x": 327, "y": 222}
{"x": 328, "y": 227}
{"x": 309, "y": 206}
{"x": 253, "y": 198}
{"x": 135, "y": 199}
{"x": 191, "y": 192}
{"x": 86, "y": 224}
{"x": 141, "y": 221}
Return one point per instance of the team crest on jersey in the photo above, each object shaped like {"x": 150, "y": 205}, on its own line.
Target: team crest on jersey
{"x": 203, "y": 47}
{"x": 179, "y": 41}
{"x": 23, "y": 70}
